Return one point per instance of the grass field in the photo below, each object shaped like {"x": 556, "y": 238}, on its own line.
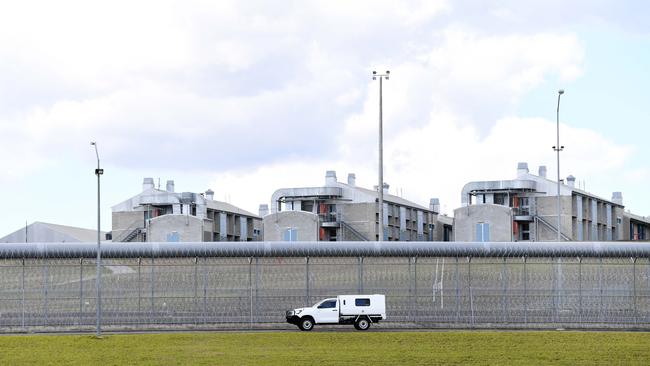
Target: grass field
{"x": 330, "y": 348}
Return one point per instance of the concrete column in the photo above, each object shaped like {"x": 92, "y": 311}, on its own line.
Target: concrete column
{"x": 579, "y": 233}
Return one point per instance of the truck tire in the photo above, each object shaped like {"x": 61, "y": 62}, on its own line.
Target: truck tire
{"x": 362, "y": 324}
{"x": 306, "y": 324}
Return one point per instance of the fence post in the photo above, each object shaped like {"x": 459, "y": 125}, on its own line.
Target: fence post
{"x": 415, "y": 287}
{"x": 554, "y": 293}
{"x": 205, "y": 290}
{"x": 410, "y": 296}
{"x": 600, "y": 287}
{"x": 257, "y": 285}
{"x": 360, "y": 279}
{"x": 81, "y": 290}
{"x": 307, "y": 289}
{"x": 504, "y": 278}
{"x": 152, "y": 288}
{"x": 634, "y": 287}
{"x": 580, "y": 289}
{"x": 46, "y": 277}
{"x": 196, "y": 290}
{"x": 471, "y": 295}
{"x": 457, "y": 293}
{"x": 139, "y": 290}
{"x": 250, "y": 291}
{"x": 22, "y": 290}
{"x": 525, "y": 291}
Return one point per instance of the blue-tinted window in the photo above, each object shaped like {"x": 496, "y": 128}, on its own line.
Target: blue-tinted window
{"x": 482, "y": 231}
{"x": 290, "y": 234}
{"x": 328, "y": 304}
{"x": 362, "y": 302}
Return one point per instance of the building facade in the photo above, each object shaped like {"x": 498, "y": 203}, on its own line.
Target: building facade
{"x": 525, "y": 209}
{"x": 341, "y": 211}
{"x": 168, "y": 216}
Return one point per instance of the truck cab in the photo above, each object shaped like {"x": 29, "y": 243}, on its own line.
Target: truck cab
{"x": 359, "y": 310}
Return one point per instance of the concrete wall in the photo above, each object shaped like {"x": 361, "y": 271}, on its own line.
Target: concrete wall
{"x": 169, "y": 228}
{"x": 499, "y": 217}
{"x": 305, "y": 223}
{"x": 547, "y": 210}
{"x": 361, "y": 217}
{"x": 124, "y": 222}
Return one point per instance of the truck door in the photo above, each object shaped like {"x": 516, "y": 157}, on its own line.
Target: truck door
{"x": 327, "y": 312}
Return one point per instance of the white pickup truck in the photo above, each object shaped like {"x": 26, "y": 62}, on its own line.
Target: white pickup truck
{"x": 360, "y": 310}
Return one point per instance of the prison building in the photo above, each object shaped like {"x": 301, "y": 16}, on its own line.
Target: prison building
{"x": 525, "y": 209}
{"x": 341, "y": 211}
{"x": 168, "y": 216}
{"x": 636, "y": 227}
{"x": 43, "y": 232}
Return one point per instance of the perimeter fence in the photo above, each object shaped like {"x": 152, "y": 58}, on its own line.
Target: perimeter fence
{"x": 250, "y": 285}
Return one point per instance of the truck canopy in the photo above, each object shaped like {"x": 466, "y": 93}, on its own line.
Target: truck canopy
{"x": 362, "y": 304}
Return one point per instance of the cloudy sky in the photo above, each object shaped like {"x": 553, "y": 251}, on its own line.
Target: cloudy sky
{"x": 245, "y": 97}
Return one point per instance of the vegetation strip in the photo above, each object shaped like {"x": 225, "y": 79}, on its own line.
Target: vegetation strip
{"x": 331, "y": 348}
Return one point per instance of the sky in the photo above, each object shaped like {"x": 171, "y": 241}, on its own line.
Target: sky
{"x": 246, "y": 97}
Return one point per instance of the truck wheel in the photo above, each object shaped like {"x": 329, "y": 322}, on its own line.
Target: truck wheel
{"x": 362, "y": 324}
{"x": 306, "y": 324}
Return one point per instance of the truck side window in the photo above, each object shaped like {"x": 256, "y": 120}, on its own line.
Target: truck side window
{"x": 362, "y": 302}
{"x": 327, "y": 305}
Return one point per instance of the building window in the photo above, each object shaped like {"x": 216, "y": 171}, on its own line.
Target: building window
{"x": 290, "y": 234}
{"x": 483, "y": 232}
{"x": 499, "y": 199}
{"x": 525, "y": 231}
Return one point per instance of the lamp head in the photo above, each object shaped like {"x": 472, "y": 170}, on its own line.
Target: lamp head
{"x": 374, "y": 72}
{"x": 561, "y": 91}
{"x": 92, "y": 143}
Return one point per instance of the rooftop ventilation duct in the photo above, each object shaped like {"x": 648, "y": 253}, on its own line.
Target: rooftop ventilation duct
{"x": 330, "y": 177}
{"x": 352, "y": 179}
{"x": 264, "y": 209}
{"x": 147, "y": 184}
{"x": 571, "y": 181}
{"x": 209, "y": 194}
{"x": 170, "y": 186}
{"x": 434, "y": 205}
{"x": 617, "y": 197}
{"x": 542, "y": 171}
{"x": 386, "y": 186}
{"x": 522, "y": 168}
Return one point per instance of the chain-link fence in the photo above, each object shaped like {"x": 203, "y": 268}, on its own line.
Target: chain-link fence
{"x": 254, "y": 292}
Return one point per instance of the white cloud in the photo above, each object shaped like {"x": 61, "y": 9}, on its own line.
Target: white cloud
{"x": 264, "y": 96}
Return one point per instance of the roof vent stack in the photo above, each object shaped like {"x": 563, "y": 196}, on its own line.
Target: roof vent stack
{"x": 147, "y": 184}
{"x": 434, "y": 205}
{"x": 264, "y": 209}
{"x": 571, "y": 181}
{"x": 330, "y": 178}
{"x": 617, "y": 197}
{"x": 522, "y": 169}
{"x": 170, "y": 186}
{"x": 352, "y": 179}
{"x": 209, "y": 194}
{"x": 386, "y": 186}
{"x": 542, "y": 171}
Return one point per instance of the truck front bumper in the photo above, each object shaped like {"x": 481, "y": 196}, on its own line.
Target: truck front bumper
{"x": 293, "y": 319}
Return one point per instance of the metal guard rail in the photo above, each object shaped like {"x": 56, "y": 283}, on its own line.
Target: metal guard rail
{"x": 327, "y": 249}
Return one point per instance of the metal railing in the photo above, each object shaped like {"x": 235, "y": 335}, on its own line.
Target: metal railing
{"x": 50, "y": 286}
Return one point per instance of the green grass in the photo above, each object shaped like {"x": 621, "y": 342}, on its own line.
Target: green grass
{"x": 331, "y": 348}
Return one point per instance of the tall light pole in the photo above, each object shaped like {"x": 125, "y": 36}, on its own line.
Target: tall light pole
{"x": 558, "y": 148}
{"x": 380, "y": 186}
{"x": 98, "y": 284}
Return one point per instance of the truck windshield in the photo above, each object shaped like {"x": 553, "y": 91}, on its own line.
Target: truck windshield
{"x": 327, "y": 304}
